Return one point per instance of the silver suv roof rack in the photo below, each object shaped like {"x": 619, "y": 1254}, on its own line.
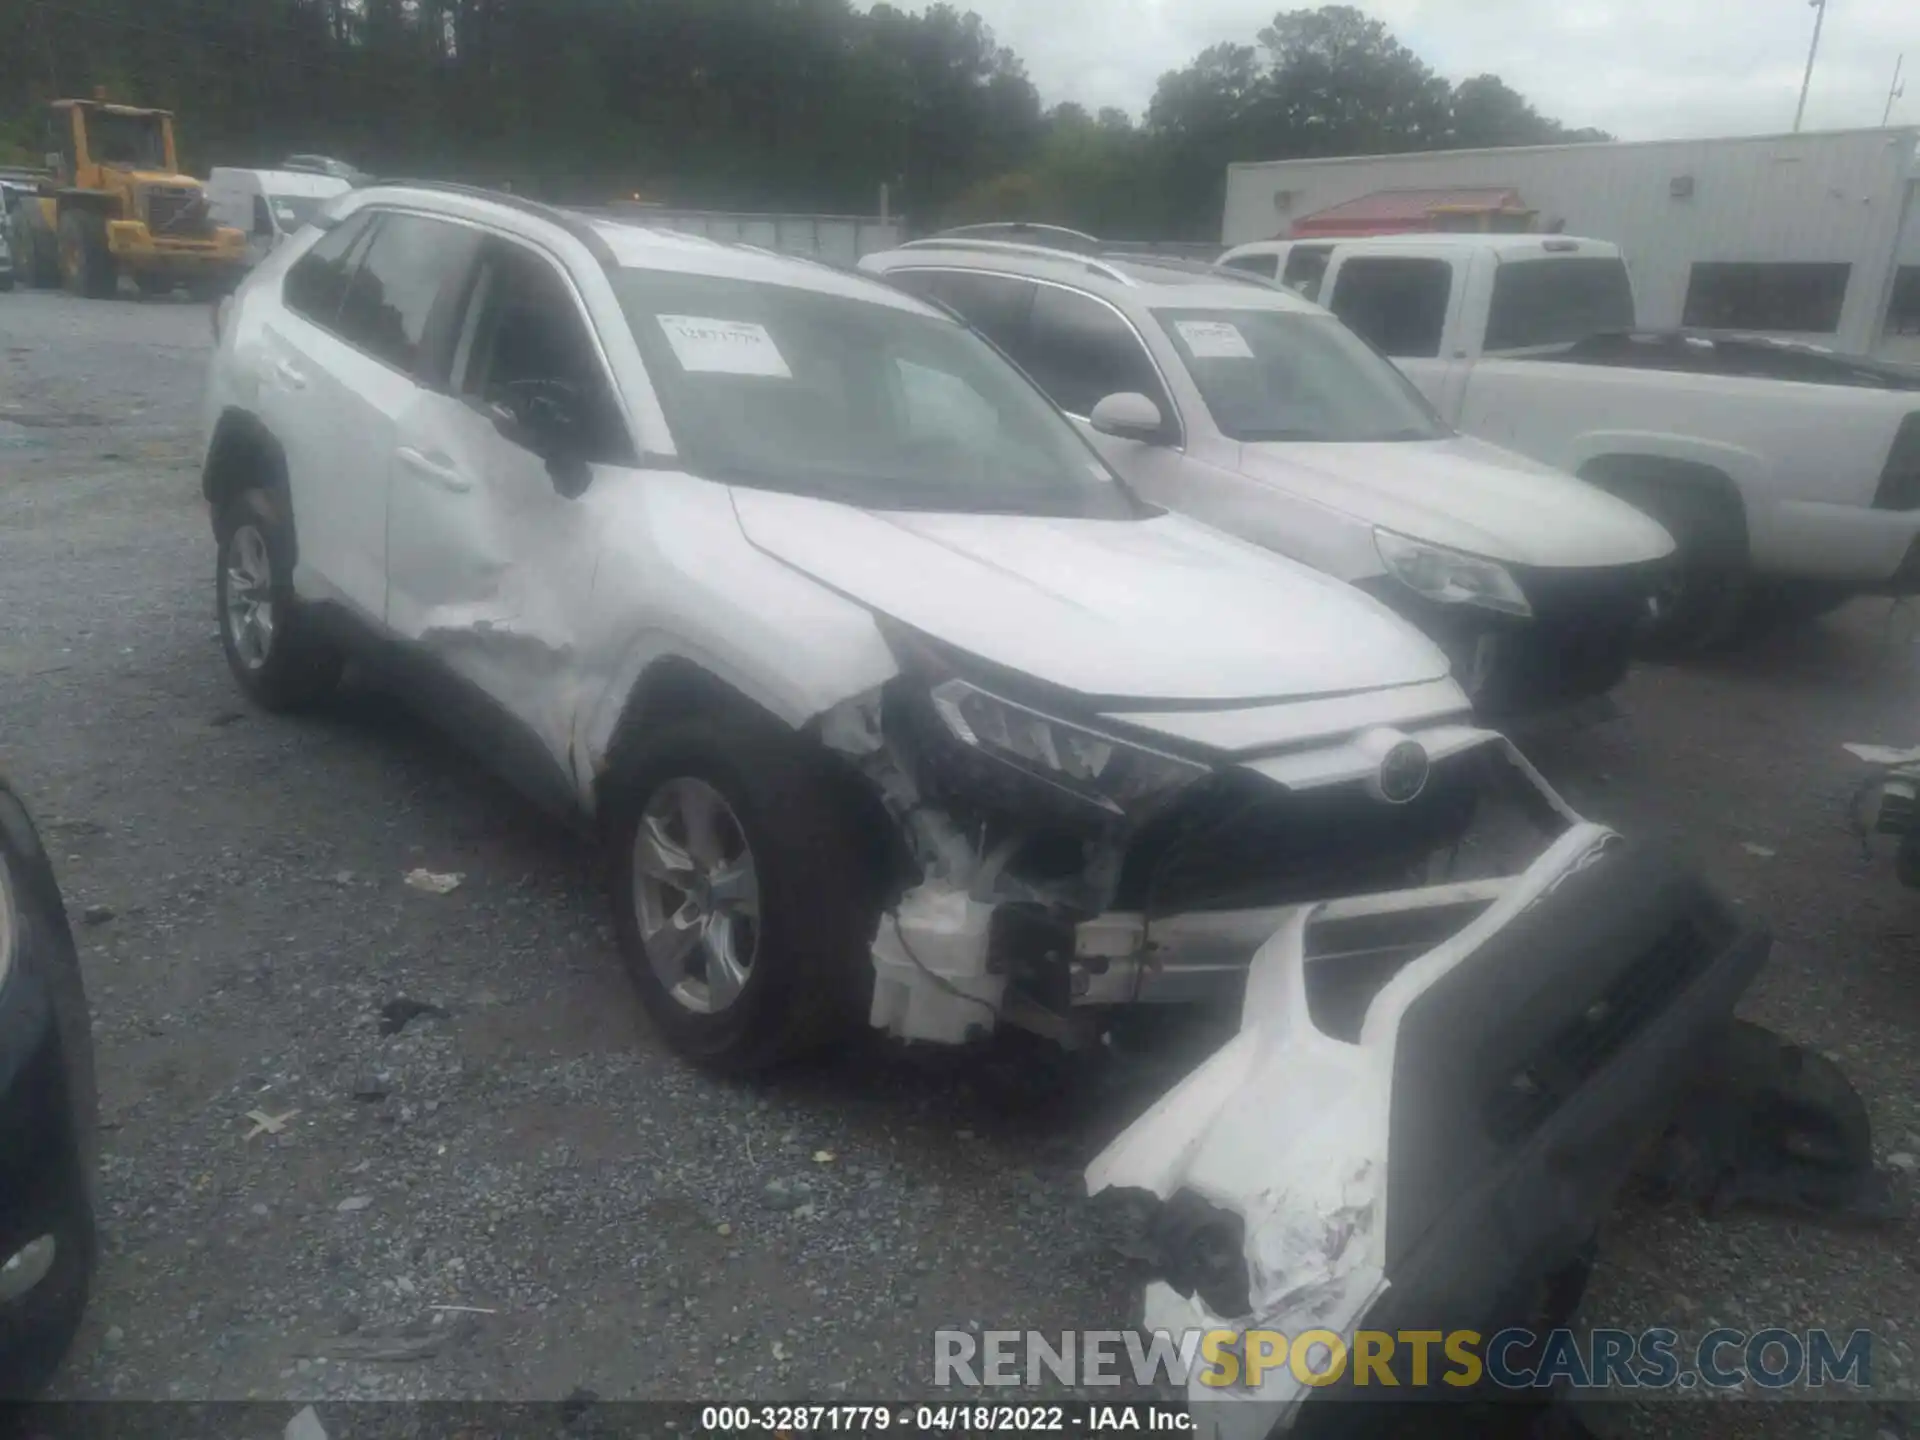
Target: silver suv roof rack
{"x": 1038, "y": 252}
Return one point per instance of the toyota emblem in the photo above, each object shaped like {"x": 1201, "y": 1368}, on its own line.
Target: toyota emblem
{"x": 1403, "y": 773}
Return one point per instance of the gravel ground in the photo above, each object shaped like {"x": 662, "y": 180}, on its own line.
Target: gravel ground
{"x": 526, "y": 1148}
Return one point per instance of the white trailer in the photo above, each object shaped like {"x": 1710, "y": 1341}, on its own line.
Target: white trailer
{"x": 1800, "y": 236}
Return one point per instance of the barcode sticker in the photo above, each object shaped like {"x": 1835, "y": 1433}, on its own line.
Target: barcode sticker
{"x": 723, "y": 347}
{"x": 1214, "y": 339}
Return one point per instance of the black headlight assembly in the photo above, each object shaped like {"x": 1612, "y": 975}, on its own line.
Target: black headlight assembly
{"x": 983, "y": 751}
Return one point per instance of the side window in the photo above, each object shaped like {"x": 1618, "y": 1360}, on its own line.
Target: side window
{"x": 317, "y": 282}
{"x": 524, "y": 340}
{"x": 1265, "y": 266}
{"x": 1903, "y": 310}
{"x": 1080, "y": 352}
{"x": 262, "y": 219}
{"x": 1800, "y": 297}
{"x": 1400, "y": 305}
{"x": 60, "y": 145}
{"x": 391, "y": 295}
{"x": 1306, "y": 267}
{"x": 995, "y": 305}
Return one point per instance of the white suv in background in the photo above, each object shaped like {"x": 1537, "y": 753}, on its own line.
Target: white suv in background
{"x": 1247, "y": 407}
{"x": 894, "y": 706}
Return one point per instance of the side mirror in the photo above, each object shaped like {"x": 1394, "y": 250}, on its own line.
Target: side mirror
{"x": 1129, "y": 416}
{"x": 544, "y": 423}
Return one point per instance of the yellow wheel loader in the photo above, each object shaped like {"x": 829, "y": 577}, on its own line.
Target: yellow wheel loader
{"x": 115, "y": 203}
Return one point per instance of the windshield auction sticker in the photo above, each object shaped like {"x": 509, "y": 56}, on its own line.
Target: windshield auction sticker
{"x": 723, "y": 347}
{"x": 1214, "y": 339}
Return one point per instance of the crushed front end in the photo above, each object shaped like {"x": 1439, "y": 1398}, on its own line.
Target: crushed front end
{"x": 1463, "y": 1010}
{"x": 1064, "y": 857}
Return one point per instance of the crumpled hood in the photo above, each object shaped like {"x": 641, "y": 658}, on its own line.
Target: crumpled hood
{"x": 1151, "y": 609}
{"x": 1467, "y": 495}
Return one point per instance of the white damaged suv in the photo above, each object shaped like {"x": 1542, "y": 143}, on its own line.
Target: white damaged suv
{"x": 896, "y": 707}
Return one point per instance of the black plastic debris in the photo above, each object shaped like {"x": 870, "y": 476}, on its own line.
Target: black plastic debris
{"x": 1773, "y": 1124}
{"x": 396, "y": 1015}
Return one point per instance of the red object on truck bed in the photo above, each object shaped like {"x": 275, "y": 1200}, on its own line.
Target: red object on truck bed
{"x": 1400, "y": 212}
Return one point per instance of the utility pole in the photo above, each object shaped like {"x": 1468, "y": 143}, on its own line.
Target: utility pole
{"x": 1896, "y": 92}
{"x": 1819, "y": 18}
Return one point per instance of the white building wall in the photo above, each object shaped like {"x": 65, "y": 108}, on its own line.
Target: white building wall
{"x": 1837, "y": 196}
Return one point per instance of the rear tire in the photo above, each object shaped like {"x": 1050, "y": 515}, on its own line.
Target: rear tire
{"x": 269, "y": 640}
{"x": 808, "y": 979}
{"x": 1788, "y": 604}
{"x": 86, "y": 265}
{"x": 154, "y": 284}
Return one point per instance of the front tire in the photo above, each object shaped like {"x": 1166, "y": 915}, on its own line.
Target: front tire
{"x": 269, "y": 641}
{"x": 744, "y": 902}
{"x": 86, "y": 264}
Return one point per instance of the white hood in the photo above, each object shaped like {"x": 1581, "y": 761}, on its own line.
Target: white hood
{"x": 1467, "y": 495}
{"x": 1159, "y": 609}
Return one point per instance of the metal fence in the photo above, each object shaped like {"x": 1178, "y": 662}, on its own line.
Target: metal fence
{"x": 842, "y": 239}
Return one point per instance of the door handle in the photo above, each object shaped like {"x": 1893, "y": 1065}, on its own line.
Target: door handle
{"x": 436, "y": 472}
{"x": 289, "y": 375}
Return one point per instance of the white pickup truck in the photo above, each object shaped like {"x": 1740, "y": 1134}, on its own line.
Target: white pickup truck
{"x": 1788, "y": 475}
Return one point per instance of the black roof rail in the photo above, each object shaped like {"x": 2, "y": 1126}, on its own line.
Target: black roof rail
{"x": 576, "y": 226}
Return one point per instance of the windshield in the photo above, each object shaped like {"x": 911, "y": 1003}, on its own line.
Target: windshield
{"x": 849, "y": 400}
{"x": 290, "y": 212}
{"x": 1287, "y": 375}
{"x": 1558, "y": 302}
{"x": 135, "y": 141}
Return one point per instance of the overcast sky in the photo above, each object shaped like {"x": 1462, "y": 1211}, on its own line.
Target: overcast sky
{"x": 1643, "y": 69}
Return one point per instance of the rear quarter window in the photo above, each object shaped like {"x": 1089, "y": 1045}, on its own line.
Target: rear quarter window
{"x": 1398, "y": 304}
{"x": 392, "y": 293}
{"x": 317, "y": 283}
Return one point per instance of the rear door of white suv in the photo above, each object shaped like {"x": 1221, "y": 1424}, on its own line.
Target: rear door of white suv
{"x": 343, "y": 359}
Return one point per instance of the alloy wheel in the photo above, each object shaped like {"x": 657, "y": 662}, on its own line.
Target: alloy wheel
{"x": 696, "y": 895}
{"x": 249, "y": 614}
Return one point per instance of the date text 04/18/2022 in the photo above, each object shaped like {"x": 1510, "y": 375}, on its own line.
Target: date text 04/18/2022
{"x": 943, "y": 1419}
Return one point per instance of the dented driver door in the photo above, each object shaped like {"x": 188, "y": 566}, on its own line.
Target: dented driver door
{"x": 491, "y": 554}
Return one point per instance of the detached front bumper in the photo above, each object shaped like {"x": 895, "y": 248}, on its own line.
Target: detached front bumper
{"x": 1431, "y": 1104}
